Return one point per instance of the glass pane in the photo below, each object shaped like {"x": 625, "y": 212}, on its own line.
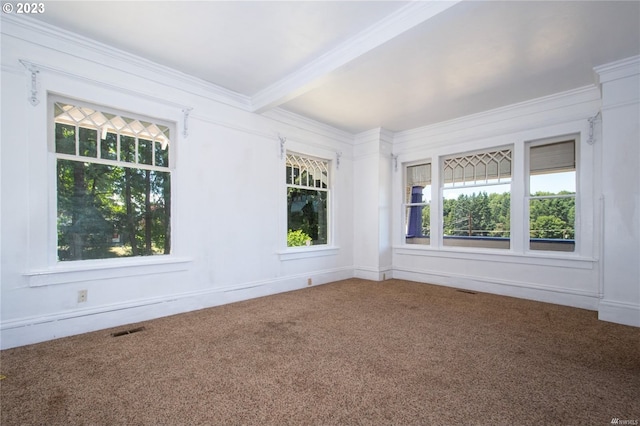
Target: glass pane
{"x": 127, "y": 149}
{"x": 477, "y": 217}
{"x": 552, "y": 224}
{"x": 162, "y": 155}
{"x": 417, "y": 225}
{"x": 145, "y": 151}
{"x": 88, "y": 142}
{"x": 553, "y": 183}
{"x": 306, "y": 217}
{"x": 477, "y": 168}
{"x": 307, "y": 171}
{"x": 109, "y": 147}
{"x": 65, "y": 139}
{"x": 107, "y": 211}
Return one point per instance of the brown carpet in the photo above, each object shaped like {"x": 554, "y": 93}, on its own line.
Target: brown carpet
{"x": 351, "y": 352}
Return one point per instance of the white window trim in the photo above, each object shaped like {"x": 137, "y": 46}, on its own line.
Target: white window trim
{"x": 286, "y": 253}
{"x": 527, "y": 197}
{"x": 513, "y": 180}
{"x": 101, "y": 269}
{"x": 585, "y": 245}
{"x": 59, "y": 272}
{"x": 405, "y": 204}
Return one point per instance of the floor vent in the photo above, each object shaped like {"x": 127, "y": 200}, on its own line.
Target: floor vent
{"x": 125, "y": 332}
{"x": 467, "y": 291}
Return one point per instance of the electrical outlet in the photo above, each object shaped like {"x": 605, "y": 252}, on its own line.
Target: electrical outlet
{"x": 82, "y": 296}
{"x": 309, "y": 282}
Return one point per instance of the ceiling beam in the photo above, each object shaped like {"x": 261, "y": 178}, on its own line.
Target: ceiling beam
{"x": 312, "y": 74}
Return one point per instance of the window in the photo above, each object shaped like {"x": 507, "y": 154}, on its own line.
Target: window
{"x": 113, "y": 184}
{"x": 476, "y": 199}
{"x": 418, "y": 204}
{"x": 552, "y": 196}
{"x": 307, "y": 195}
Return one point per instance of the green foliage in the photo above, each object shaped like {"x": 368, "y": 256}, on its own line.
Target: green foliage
{"x": 107, "y": 211}
{"x": 489, "y": 215}
{"x": 478, "y": 215}
{"x": 307, "y": 211}
{"x": 550, "y": 227}
{"x": 297, "y": 238}
{"x": 426, "y": 220}
{"x": 552, "y": 217}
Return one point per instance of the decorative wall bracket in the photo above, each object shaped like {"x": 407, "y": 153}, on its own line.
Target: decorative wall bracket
{"x": 394, "y": 158}
{"x": 338, "y": 155}
{"x": 33, "y": 95}
{"x": 283, "y": 140}
{"x": 592, "y": 125}
{"x": 185, "y": 121}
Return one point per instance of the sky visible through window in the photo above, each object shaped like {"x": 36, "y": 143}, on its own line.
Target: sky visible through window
{"x": 554, "y": 183}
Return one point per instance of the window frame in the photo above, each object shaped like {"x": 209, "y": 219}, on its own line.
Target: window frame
{"x": 290, "y": 252}
{"x": 405, "y": 204}
{"x": 441, "y": 189}
{"x": 575, "y": 137}
{"x": 98, "y": 264}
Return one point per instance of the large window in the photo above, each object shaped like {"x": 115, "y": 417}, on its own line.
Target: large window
{"x": 113, "y": 184}
{"x": 552, "y": 196}
{"x": 307, "y": 196}
{"x": 476, "y": 199}
{"x": 418, "y": 204}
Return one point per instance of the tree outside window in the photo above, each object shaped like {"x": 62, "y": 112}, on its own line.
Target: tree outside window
{"x": 307, "y": 196}
{"x": 113, "y": 184}
{"x": 552, "y": 196}
{"x": 476, "y": 199}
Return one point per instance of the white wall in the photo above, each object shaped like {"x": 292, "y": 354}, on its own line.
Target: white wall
{"x": 229, "y": 173}
{"x": 372, "y": 205}
{"x": 621, "y": 188}
{"x": 563, "y": 278}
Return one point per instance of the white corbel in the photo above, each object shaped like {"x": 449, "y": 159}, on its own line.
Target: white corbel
{"x": 394, "y": 158}
{"x": 34, "y": 71}
{"x": 338, "y": 155}
{"x": 283, "y": 140}
{"x": 185, "y": 121}
{"x": 592, "y": 125}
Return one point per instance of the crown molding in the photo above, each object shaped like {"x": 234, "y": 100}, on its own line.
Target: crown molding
{"x": 309, "y": 125}
{"x": 534, "y": 112}
{"x": 312, "y": 74}
{"x": 39, "y": 33}
{"x": 619, "y": 69}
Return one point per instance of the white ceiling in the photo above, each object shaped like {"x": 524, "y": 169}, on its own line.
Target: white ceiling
{"x": 358, "y": 65}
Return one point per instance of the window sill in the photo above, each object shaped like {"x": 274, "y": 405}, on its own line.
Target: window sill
{"x": 560, "y": 259}
{"x": 68, "y": 272}
{"x": 308, "y": 252}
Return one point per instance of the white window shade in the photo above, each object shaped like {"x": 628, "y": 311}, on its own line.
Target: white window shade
{"x": 419, "y": 175}
{"x": 553, "y": 158}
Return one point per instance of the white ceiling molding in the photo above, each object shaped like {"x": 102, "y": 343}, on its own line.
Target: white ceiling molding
{"x": 312, "y": 74}
{"x": 43, "y": 34}
{"x": 619, "y": 69}
{"x": 550, "y": 110}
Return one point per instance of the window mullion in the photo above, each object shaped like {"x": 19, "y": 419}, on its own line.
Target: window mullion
{"x": 77, "y": 139}
{"x": 519, "y": 207}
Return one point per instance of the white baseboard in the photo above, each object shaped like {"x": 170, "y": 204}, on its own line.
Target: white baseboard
{"x": 373, "y": 274}
{"x": 548, "y": 294}
{"x": 619, "y": 312}
{"x": 25, "y": 331}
